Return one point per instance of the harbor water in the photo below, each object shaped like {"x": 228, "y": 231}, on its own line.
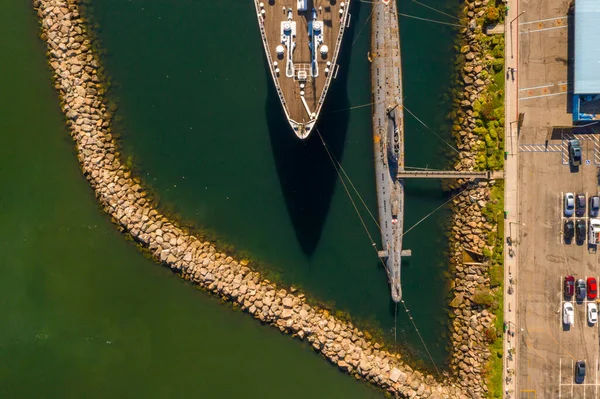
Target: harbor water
{"x": 201, "y": 124}
{"x": 83, "y": 312}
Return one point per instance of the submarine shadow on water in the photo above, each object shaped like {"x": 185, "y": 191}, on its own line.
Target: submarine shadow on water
{"x": 305, "y": 172}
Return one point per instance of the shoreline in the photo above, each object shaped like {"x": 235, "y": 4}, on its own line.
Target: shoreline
{"x": 81, "y": 92}
{"x": 476, "y": 236}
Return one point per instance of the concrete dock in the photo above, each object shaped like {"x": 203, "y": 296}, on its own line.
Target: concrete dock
{"x": 388, "y": 137}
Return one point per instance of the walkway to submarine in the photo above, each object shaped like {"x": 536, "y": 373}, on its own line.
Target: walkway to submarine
{"x": 450, "y": 174}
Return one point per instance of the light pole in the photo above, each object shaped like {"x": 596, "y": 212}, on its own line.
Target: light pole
{"x": 511, "y": 37}
{"x": 510, "y": 229}
{"x": 512, "y": 151}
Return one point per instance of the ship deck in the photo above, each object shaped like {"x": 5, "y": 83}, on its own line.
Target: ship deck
{"x": 312, "y": 70}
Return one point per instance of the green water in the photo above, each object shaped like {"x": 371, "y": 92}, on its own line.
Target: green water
{"x": 82, "y": 313}
{"x": 199, "y": 117}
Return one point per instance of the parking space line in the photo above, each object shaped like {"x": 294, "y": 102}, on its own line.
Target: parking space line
{"x": 559, "y": 377}
{"x": 536, "y": 87}
{"x": 542, "y": 30}
{"x": 559, "y": 198}
{"x": 540, "y": 148}
{"x": 560, "y": 237}
{"x": 580, "y": 385}
{"x": 542, "y": 20}
{"x": 572, "y": 373}
{"x": 542, "y": 95}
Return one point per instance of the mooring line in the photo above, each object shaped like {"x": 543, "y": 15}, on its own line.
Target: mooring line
{"x": 421, "y": 337}
{"x": 432, "y": 212}
{"x": 351, "y": 108}
{"x": 395, "y": 325}
{"x": 374, "y": 245}
{"x": 430, "y": 20}
{"x": 419, "y": 18}
{"x": 436, "y": 10}
{"x": 348, "y": 191}
{"x": 361, "y": 29}
{"x": 339, "y": 165}
{"x": 434, "y": 133}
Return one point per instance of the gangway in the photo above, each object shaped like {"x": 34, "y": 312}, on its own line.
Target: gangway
{"x": 449, "y": 174}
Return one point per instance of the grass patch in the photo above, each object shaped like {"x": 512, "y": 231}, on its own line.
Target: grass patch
{"x": 494, "y": 213}
{"x": 489, "y": 108}
{"x": 493, "y": 368}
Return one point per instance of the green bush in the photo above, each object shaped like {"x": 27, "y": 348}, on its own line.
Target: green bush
{"x": 498, "y": 51}
{"x": 498, "y": 64}
{"x": 492, "y": 15}
{"x": 484, "y": 297}
{"x": 496, "y": 276}
{"x": 490, "y": 335}
{"x": 480, "y": 131}
{"x": 486, "y": 252}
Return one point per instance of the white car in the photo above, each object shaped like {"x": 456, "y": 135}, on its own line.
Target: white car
{"x": 568, "y": 314}
{"x": 569, "y": 204}
{"x": 592, "y": 313}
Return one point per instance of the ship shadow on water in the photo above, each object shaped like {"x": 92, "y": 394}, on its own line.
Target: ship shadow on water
{"x": 305, "y": 172}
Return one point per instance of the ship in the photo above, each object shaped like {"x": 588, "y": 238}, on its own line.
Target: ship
{"x": 388, "y": 138}
{"x": 302, "y": 40}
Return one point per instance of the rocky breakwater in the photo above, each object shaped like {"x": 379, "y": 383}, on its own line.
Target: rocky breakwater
{"x": 76, "y": 78}
{"x": 471, "y": 321}
{"x": 476, "y": 208}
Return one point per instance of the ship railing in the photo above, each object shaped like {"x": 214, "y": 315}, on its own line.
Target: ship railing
{"x": 269, "y": 58}
{"x": 343, "y": 25}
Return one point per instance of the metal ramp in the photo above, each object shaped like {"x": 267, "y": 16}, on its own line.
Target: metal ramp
{"x": 449, "y": 174}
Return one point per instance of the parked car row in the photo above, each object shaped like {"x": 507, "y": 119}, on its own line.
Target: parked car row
{"x": 577, "y": 203}
{"x": 569, "y": 313}
{"x": 580, "y": 288}
{"x": 577, "y": 229}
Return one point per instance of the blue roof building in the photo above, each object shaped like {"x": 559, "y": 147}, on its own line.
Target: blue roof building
{"x": 586, "y": 93}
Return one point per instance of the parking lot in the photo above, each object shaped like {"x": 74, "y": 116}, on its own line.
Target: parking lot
{"x": 568, "y": 389}
{"x": 546, "y": 350}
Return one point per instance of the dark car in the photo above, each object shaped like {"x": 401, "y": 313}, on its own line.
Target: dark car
{"x": 580, "y": 371}
{"x": 574, "y": 153}
{"x": 592, "y": 288}
{"x": 580, "y": 230}
{"x": 580, "y": 204}
{"x": 569, "y": 230}
{"x": 569, "y": 286}
{"x": 580, "y": 287}
{"x": 594, "y": 205}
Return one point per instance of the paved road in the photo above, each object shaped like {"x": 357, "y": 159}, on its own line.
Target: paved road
{"x": 510, "y": 202}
